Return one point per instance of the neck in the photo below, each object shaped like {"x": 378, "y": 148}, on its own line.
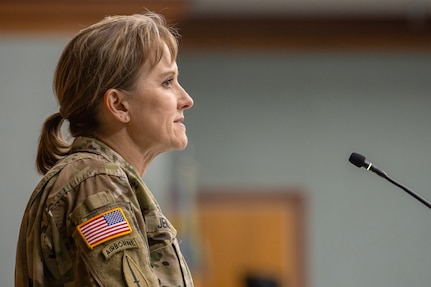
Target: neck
{"x": 136, "y": 156}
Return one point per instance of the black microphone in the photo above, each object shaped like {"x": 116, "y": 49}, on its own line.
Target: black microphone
{"x": 360, "y": 161}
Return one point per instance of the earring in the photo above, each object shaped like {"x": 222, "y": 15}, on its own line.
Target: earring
{"x": 126, "y": 118}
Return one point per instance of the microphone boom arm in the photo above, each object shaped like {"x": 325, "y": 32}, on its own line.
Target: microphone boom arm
{"x": 409, "y": 191}
{"x": 360, "y": 161}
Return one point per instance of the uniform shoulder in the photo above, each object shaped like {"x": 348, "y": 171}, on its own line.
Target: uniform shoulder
{"x": 92, "y": 170}
{"x": 89, "y": 164}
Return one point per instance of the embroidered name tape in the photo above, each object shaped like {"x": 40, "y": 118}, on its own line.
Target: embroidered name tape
{"x": 103, "y": 227}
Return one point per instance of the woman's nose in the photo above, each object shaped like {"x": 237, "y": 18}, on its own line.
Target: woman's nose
{"x": 186, "y": 102}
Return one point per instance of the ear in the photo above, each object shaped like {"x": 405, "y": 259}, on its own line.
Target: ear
{"x": 115, "y": 103}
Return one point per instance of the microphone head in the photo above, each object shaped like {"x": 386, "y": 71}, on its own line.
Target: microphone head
{"x": 357, "y": 159}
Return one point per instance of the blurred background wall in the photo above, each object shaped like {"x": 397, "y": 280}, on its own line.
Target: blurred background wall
{"x": 284, "y": 91}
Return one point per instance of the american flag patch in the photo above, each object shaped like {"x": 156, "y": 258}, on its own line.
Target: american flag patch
{"x": 104, "y": 227}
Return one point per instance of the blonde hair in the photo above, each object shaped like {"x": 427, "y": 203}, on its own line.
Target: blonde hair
{"x": 108, "y": 54}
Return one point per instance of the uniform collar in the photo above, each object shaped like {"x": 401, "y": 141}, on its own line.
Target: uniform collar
{"x": 92, "y": 145}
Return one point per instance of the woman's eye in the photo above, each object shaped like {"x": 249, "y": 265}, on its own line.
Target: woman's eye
{"x": 167, "y": 83}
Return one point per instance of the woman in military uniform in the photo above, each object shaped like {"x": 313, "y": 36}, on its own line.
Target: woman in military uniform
{"x": 92, "y": 221}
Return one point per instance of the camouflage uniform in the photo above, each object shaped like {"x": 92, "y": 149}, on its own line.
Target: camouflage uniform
{"x": 92, "y": 189}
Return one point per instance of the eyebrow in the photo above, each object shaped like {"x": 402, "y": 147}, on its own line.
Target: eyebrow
{"x": 169, "y": 72}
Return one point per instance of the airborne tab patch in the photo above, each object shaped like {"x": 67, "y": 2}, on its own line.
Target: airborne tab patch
{"x": 103, "y": 227}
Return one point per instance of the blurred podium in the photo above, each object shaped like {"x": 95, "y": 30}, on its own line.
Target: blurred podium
{"x": 252, "y": 238}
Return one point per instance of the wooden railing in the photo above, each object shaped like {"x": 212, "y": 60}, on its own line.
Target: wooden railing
{"x": 54, "y": 16}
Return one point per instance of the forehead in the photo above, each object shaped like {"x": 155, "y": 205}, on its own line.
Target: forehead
{"x": 165, "y": 64}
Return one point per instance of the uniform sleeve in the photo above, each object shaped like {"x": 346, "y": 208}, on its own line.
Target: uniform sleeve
{"x": 107, "y": 232}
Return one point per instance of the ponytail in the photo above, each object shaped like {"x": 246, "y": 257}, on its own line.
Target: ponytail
{"x": 52, "y": 146}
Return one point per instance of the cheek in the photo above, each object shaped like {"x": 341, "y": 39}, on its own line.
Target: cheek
{"x": 146, "y": 111}
{"x": 156, "y": 112}
{"x": 158, "y": 120}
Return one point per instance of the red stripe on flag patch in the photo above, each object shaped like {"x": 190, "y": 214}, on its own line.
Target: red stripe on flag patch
{"x": 104, "y": 227}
